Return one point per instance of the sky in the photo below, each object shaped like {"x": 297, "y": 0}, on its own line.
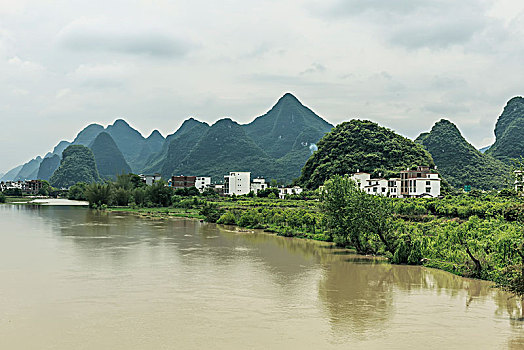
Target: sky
{"x": 405, "y": 64}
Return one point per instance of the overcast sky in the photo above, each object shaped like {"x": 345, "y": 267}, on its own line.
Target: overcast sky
{"x": 405, "y": 64}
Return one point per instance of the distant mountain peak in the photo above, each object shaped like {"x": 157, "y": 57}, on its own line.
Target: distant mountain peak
{"x": 444, "y": 123}
{"x": 121, "y": 122}
{"x": 155, "y": 134}
{"x": 226, "y": 121}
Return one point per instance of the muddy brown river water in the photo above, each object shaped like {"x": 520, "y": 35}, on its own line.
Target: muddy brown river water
{"x": 73, "y": 278}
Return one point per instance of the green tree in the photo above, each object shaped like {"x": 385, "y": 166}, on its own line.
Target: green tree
{"x": 98, "y": 194}
{"x": 77, "y": 191}
{"x": 356, "y": 218}
{"x": 160, "y": 194}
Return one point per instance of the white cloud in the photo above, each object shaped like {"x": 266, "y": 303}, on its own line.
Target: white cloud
{"x": 101, "y": 75}
{"x": 120, "y": 35}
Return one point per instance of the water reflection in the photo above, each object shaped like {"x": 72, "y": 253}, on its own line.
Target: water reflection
{"x": 222, "y": 275}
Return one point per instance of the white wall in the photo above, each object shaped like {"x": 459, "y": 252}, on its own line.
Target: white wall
{"x": 239, "y": 183}
{"x": 202, "y": 182}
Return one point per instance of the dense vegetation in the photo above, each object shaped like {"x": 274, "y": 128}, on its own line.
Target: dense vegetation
{"x": 490, "y": 247}
{"x": 460, "y": 163}
{"x": 77, "y": 165}
{"x": 509, "y": 132}
{"x": 365, "y": 146}
{"x": 109, "y": 159}
{"x": 48, "y": 167}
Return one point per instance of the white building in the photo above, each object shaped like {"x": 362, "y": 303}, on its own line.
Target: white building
{"x": 394, "y": 187}
{"x": 150, "y": 179}
{"x": 519, "y": 181}
{"x": 284, "y": 191}
{"x": 258, "y": 185}
{"x": 377, "y": 187}
{"x": 420, "y": 182}
{"x": 237, "y": 183}
{"x": 11, "y": 185}
{"x": 361, "y": 179}
{"x": 202, "y": 182}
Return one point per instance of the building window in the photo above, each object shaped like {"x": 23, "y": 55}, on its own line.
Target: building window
{"x": 428, "y": 189}
{"x": 428, "y": 183}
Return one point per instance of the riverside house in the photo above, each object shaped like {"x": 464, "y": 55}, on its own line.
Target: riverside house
{"x": 418, "y": 182}
{"x": 519, "y": 181}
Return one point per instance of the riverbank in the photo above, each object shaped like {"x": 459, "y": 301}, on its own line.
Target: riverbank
{"x": 38, "y": 200}
{"x": 469, "y": 237}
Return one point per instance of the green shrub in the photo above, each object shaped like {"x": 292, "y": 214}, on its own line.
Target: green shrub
{"x": 227, "y": 219}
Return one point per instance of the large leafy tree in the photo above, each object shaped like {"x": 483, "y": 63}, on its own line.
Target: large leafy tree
{"x": 355, "y": 218}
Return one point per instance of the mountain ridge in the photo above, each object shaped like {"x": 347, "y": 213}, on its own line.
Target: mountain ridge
{"x": 459, "y": 162}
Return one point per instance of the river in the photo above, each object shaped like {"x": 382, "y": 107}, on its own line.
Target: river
{"x": 74, "y": 278}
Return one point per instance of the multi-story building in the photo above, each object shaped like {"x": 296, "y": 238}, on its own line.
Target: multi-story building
{"x": 377, "y": 187}
{"x": 150, "y": 179}
{"x": 237, "y": 183}
{"x": 182, "y": 181}
{"x": 420, "y": 182}
{"x": 202, "y": 182}
{"x": 361, "y": 179}
{"x": 519, "y": 181}
{"x": 7, "y": 185}
{"x": 412, "y": 183}
{"x": 258, "y": 184}
{"x": 32, "y": 186}
{"x": 394, "y": 185}
{"x": 284, "y": 191}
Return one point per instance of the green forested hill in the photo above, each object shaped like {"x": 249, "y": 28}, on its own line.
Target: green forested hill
{"x": 509, "y": 132}
{"x": 180, "y": 147}
{"x": 225, "y": 147}
{"x": 459, "y": 162}
{"x": 48, "y": 167}
{"x": 109, "y": 160}
{"x": 167, "y": 159}
{"x": 30, "y": 170}
{"x": 288, "y": 126}
{"x": 77, "y": 165}
{"x": 128, "y": 140}
{"x": 365, "y": 146}
{"x": 86, "y": 135}
{"x": 275, "y": 145}
{"x": 155, "y": 141}
{"x": 11, "y": 174}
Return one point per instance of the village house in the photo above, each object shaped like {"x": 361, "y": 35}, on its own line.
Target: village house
{"x": 237, "y": 183}
{"x": 32, "y": 186}
{"x": 182, "y": 181}
{"x": 27, "y": 186}
{"x": 420, "y": 182}
{"x": 284, "y": 191}
{"x": 150, "y": 179}
{"x": 519, "y": 181}
{"x": 202, "y": 182}
{"x": 258, "y": 184}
